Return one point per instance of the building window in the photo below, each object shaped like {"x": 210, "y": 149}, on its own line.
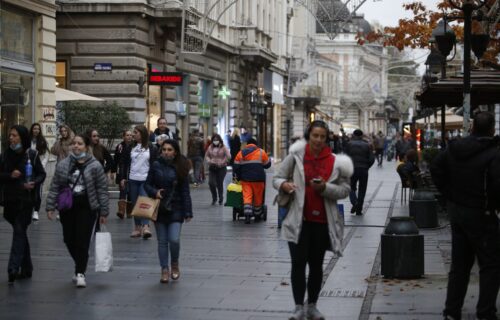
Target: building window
{"x": 61, "y": 74}
{"x": 16, "y": 33}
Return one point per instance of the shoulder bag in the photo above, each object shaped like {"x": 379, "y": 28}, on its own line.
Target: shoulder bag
{"x": 65, "y": 196}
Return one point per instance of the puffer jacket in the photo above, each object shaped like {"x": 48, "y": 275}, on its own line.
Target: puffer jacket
{"x": 217, "y": 156}
{"x": 337, "y": 187}
{"x": 468, "y": 172}
{"x": 360, "y": 153}
{"x": 96, "y": 184}
{"x": 162, "y": 175}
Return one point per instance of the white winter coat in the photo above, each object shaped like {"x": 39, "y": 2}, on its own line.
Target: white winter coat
{"x": 337, "y": 187}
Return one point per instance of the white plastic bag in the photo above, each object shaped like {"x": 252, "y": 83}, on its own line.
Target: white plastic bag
{"x": 103, "y": 251}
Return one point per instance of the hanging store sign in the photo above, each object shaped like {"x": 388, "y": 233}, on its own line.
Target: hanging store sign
{"x": 165, "y": 78}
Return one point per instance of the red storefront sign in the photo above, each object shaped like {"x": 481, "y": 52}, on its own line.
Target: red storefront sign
{"x": 166, "y": 78}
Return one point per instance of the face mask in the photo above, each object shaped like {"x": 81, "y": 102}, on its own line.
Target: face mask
{"x": 216, "y": 143}
{"x": 80, "y": 156}
{"x": 16, "y": 147}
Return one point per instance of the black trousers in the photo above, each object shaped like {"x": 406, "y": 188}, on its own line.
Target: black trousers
{"x": 357, "y": 195}
{"x": 313, "y": 243}
{"x": 216, "y": 181}
{"x": 379, "y": 155}
{"x": 474, "y": 234}
{"x": 78, "y": 226}
{"x": 18, "y": 215}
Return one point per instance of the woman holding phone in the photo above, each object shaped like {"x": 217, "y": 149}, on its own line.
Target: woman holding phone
{"x": 313, "y": 223}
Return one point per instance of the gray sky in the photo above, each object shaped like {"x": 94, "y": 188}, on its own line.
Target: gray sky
{"x": 388, "y": 12}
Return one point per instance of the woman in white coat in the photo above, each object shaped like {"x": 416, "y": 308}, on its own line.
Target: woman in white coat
{"x": 317, "y": 179}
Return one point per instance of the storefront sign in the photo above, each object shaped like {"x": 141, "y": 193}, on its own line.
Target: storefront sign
{"x": 224, "y": 93}
{"x": 103, "y": 66}
{"x": 165, "y": 78}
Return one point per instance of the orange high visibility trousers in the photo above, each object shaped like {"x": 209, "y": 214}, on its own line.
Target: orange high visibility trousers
{"x": 253, "y": 192}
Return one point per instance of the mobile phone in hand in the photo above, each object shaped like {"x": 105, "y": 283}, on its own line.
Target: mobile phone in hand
{"x": 316, "y": 180}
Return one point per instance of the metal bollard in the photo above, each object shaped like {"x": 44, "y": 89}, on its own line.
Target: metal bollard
{"x": 402, "y": 249}
{"x": 423, "y": 208}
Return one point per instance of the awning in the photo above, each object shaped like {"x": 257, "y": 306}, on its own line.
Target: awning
{"x": 485, "y": 89}
{"x": 68, "y": 95}
{"x": 452, "y": 121}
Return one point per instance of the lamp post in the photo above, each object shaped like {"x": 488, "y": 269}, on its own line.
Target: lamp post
{"x": 468, "y": 7}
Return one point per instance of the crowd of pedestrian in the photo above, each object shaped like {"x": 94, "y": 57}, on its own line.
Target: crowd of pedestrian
{"x": 321, "y": 168}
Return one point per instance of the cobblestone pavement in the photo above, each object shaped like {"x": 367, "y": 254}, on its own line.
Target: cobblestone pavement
{"x": 230, "y": 270}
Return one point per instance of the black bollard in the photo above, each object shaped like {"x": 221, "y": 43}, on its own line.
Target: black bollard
{"x": 402, "y": 251}
{"x": 423, "y": 208}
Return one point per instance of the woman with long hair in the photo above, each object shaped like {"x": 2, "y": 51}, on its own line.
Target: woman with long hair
{"x": 99, "y": 151}
{"x": 313, "y": 223}
{"x": 19, "y": 196}
{"x": 217, "y": 157}
{"x": 168, "y": 180}
{"x": 40, "y": 145}
{"x": 62, "y": 147}
{"x": 85, "y": 176}
{"x": 135, "y": 164}
{"x": 120, "y": 149}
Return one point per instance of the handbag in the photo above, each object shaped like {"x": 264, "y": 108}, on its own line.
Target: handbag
{"x": 146, "y": 208}
{"x": 65, "y": 196}
{"x": 103, "y": 251}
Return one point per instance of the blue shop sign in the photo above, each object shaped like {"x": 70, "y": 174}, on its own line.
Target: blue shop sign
{"x": 103, "y": 66}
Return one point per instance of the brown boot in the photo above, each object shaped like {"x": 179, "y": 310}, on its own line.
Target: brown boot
{"x": 164, "y": 275}
{"x": 176, "y": 273}
{"x": 122, "y": 208}
{"x": 130, "y": 207}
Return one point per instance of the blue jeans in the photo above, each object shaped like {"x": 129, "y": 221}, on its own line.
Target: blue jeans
{"x": 168, "y": 235}
{"x": 136, "y": 189}
{"x": 197, "y": 163}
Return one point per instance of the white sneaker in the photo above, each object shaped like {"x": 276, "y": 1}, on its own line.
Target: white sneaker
{"x": 80, "y": 280}
{"x": 34, "y": 216}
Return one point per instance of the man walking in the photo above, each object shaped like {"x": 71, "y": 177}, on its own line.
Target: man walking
{"x": 249, "y": 166}
{"x": 196, "y": 153}
{"x": 362, "y": 157}
{"x": 379, "y": 143}
{"x": 467, "y": 173}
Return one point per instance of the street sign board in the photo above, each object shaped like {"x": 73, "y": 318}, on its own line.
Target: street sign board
{"x": 103, "y": 66}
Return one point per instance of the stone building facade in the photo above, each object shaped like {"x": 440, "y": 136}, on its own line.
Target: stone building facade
{"x": 27, "y": 65}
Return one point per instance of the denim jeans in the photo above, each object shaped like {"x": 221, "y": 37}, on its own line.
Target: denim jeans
{"x": 197, "y": 163}
{"x": 357, "y": 198}
{"x": 168, "y": 235}
{"x": 19, "y": 217}
{"x": 136, "y": 189}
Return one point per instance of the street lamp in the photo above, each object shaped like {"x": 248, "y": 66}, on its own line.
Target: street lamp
{"x": 468, "y": 7}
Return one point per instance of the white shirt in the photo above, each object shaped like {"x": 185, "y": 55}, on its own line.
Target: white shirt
{"x": 139, "y": 165}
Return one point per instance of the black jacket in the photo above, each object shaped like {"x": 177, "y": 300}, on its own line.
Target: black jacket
{"x": 360, "y": 152}
{"x": 13, "y": 189}
{"x": 468, "y": 172}
{"x": 119, "y": 151}
{"x": 162, "y": 176}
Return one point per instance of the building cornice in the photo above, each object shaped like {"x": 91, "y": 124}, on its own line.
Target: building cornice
{"x": 38, "y": 6}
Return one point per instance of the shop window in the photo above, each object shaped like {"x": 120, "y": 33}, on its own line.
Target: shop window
{"x": 16, "y": 101}
{"x": 205, "y": 97}
{"x": 16, "y": 34}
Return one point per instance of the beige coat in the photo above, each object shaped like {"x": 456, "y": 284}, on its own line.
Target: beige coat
{"x": 337, "y": 187}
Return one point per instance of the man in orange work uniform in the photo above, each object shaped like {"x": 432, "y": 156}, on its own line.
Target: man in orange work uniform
{"x": 248, "y": 167}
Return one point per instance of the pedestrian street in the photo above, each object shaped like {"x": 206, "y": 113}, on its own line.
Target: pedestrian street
{"x": 229, "y": 270}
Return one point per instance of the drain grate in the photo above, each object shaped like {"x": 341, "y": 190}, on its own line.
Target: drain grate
{"x": 343, "y": 293}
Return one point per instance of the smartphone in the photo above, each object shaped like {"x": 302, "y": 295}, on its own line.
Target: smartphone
{"x": 316, "y": 180}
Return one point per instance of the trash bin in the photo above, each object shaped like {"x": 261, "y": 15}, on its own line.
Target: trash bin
{"x": 423, "y": 208}
{"x": 402, "y": 249}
